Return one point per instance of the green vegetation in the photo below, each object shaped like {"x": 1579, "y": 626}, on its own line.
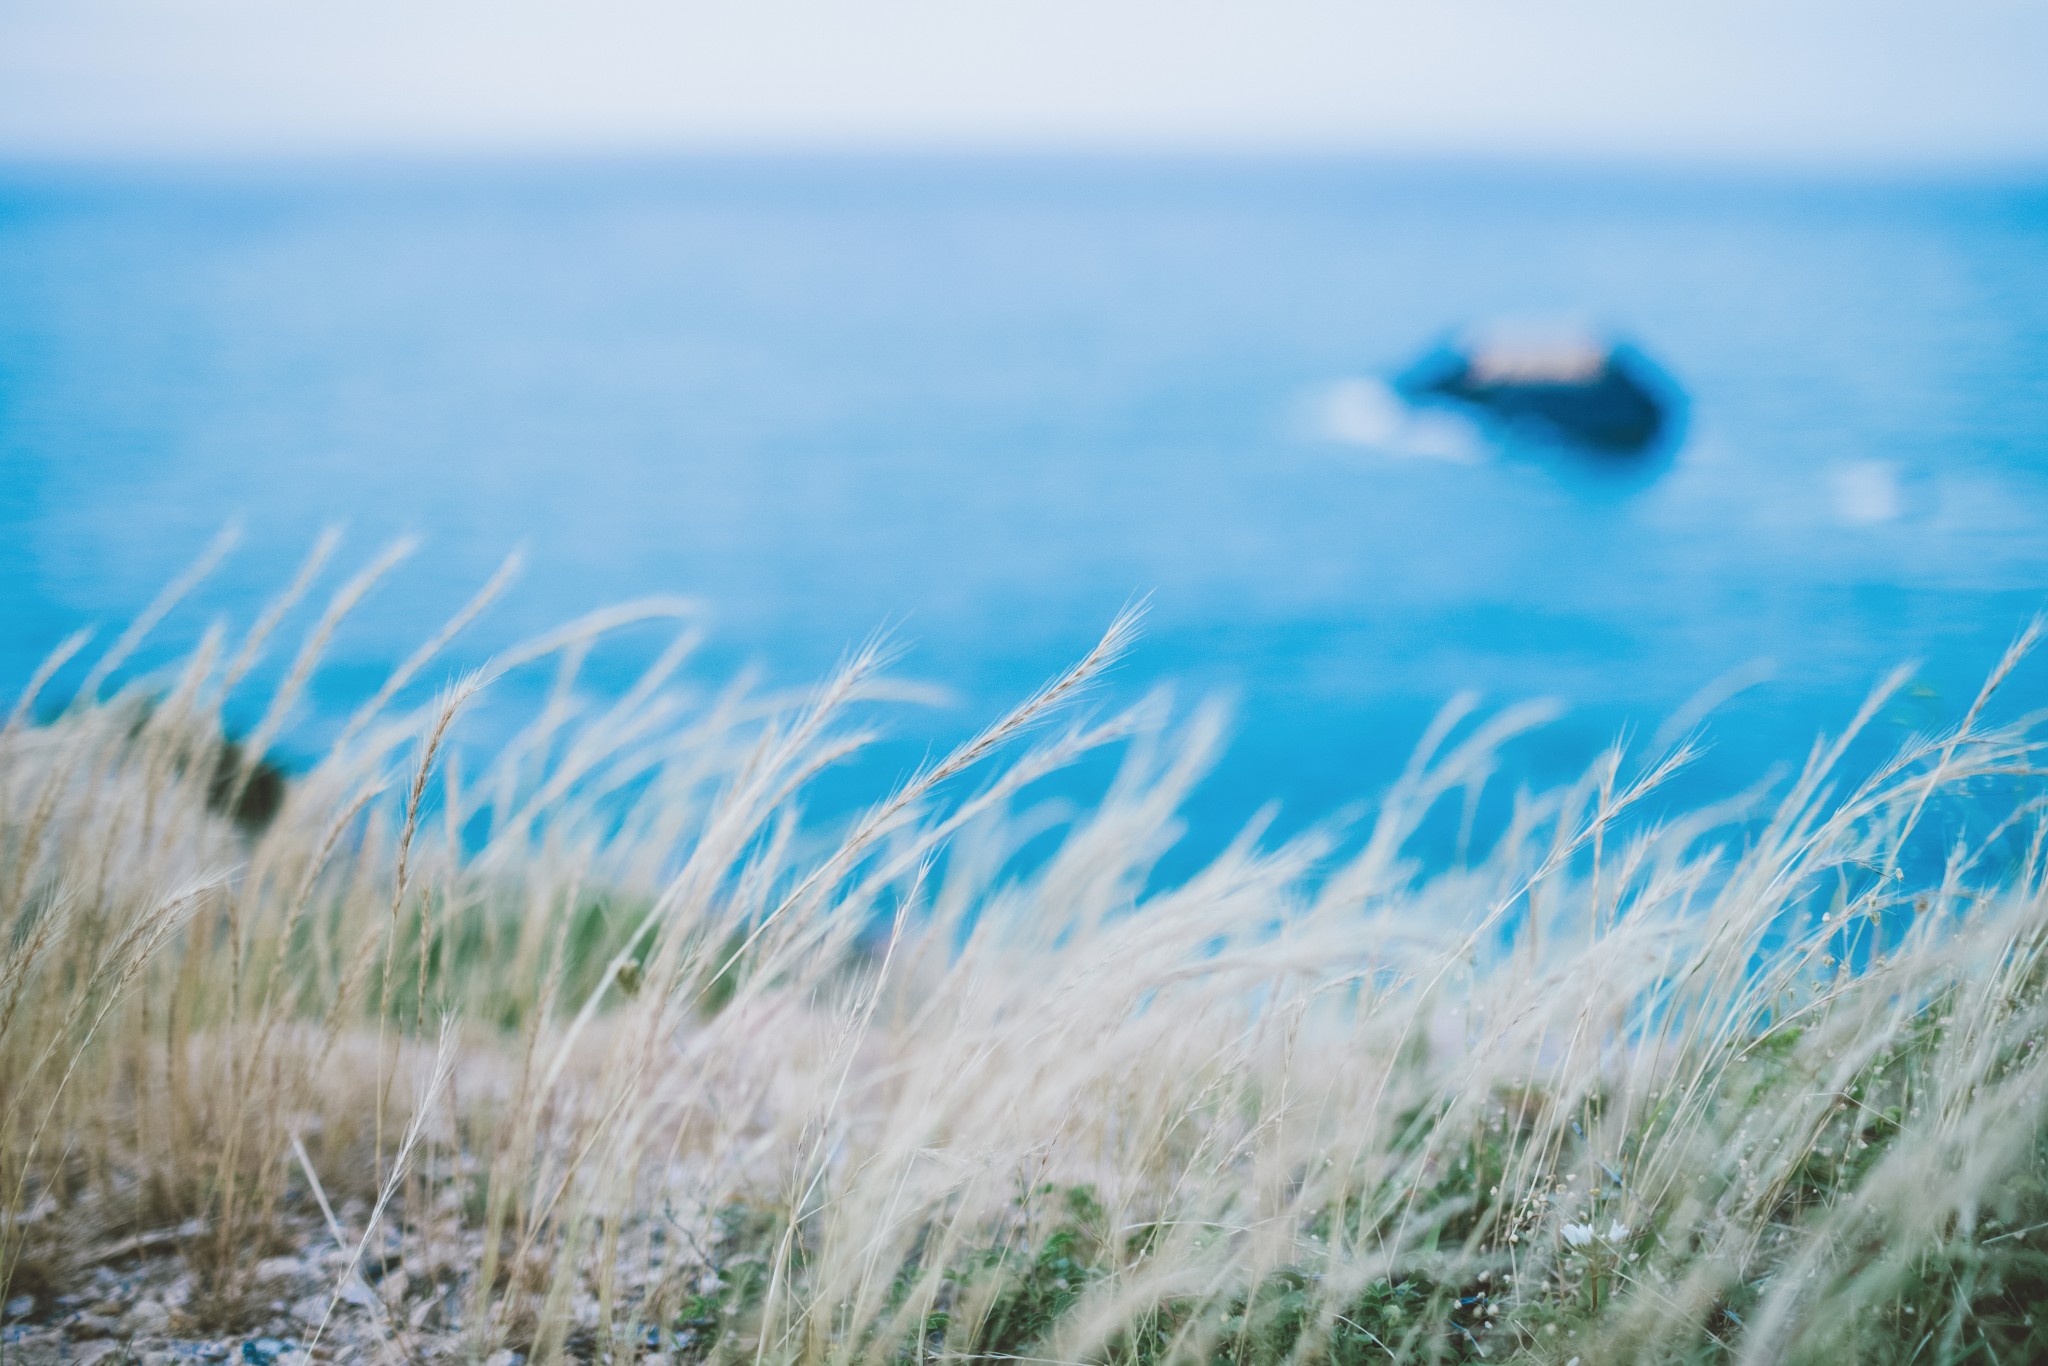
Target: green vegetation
{"x": 595, "y": 1049}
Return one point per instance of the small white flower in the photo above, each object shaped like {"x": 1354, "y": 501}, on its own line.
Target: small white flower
{"x": 1578, "y": 1235}
{"x": 1616, "y": 1231}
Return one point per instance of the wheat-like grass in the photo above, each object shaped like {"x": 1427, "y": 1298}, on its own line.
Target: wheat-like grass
{"x": 673, "y": 1072}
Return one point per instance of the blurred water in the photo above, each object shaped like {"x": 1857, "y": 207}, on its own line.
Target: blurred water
{"x": 987, "y": 403}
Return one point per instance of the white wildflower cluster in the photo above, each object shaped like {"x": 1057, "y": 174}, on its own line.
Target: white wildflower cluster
{"x": 1583, "y": 1235}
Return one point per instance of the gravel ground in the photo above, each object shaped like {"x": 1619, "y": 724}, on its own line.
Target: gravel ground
{"x": 133, "y": 1305}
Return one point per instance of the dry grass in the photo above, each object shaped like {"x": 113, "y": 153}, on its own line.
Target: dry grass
{"x": 597, "y": 1051}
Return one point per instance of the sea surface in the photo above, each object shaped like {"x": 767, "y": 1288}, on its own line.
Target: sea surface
{"x": 982, "y": 405}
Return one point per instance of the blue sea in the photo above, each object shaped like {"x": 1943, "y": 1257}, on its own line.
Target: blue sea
{"x": 983, "y": 404}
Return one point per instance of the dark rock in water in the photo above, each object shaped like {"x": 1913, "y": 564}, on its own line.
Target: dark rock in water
{"x": 1605, "y": 398}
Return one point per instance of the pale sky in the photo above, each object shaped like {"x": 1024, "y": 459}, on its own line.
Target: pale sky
{"x": 1925, "y": 82}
